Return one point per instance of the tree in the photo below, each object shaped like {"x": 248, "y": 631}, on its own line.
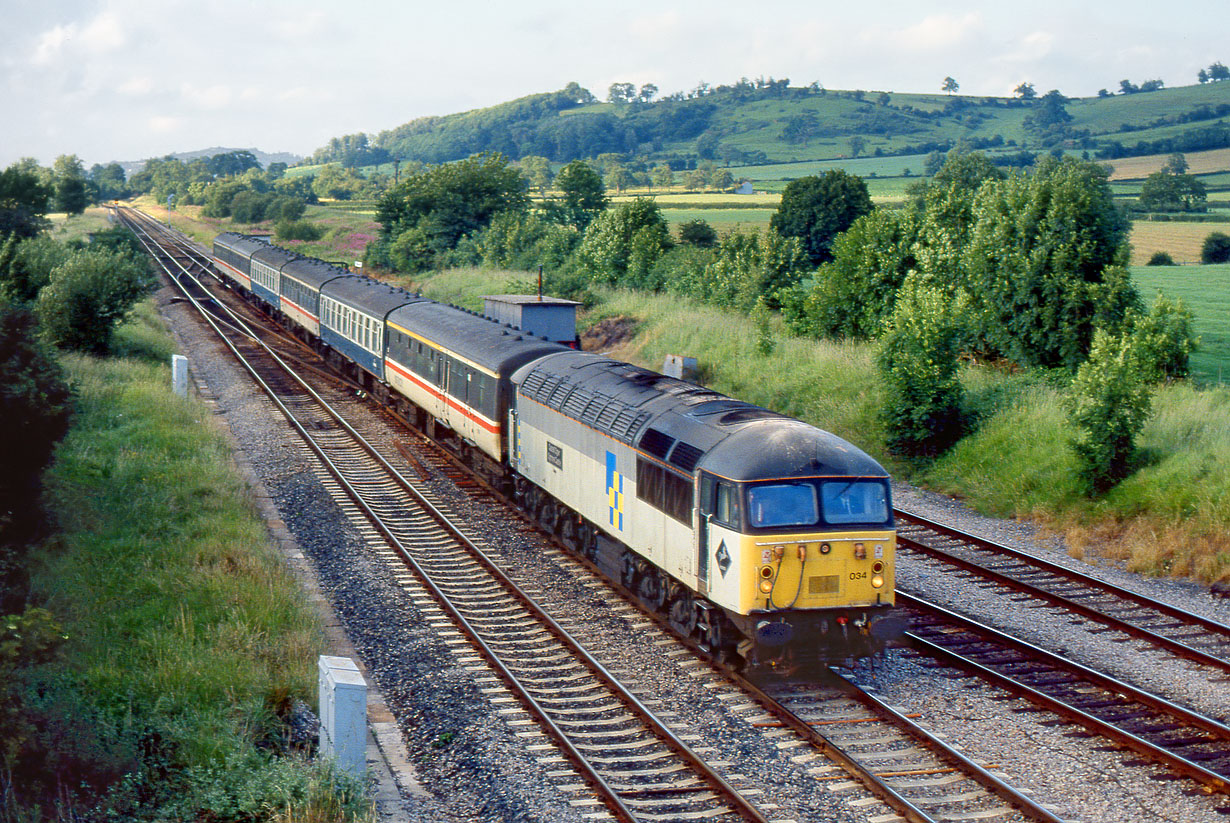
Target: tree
{"x": 584, "y": 196}
{"x": 817, "y": 209}
{"x": 1049, "y": 120}
{"x": 436, "y": 207}
{"x": 24, "y": 201}
{"x": 950, "y": 86}
{"x": 29, "y": 266}
{"x": 109, "y": 180}
{"x": 70, "y": 193}
{"x": 617, "y": 177}
{"x": 35, "y": 406}
{"x": 857, "y": 144}
{"x": 1165, "y": 338}
{"x": 1216, "y": 248}
{"x": 1128, "y": 87}
{"x": 1166, "y": 191}
{"x": 1176, "y": 164}
{"x": 89, "y": 294}
{"x": 624, "y": 241}
{"x": 232, "y": 163}
{"x": 801, "y": 127}
{"x": 1025, "y": 91}
{"x": 647, "y": 93}
{"x": 698, "y": 233}
{"x": 1217, "y": 71}
{"x": 1108, "y": 405}
{"x": 621, "y": 93}
{"x": 662, "y": 176}
{"x": 721, "y": 179}
{"x": 854, "y": 294}
{"x": 1202, "y": 76}
{"x": 538, "y": 170}
{"x": 917, "y": 359}
{"x": 1046, "y": 262}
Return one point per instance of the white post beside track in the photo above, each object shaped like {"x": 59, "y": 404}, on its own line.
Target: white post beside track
{"x": 179, "y": 374}
{"x": 343, "y": 714}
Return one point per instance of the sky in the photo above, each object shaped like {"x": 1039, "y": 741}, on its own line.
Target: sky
{"x": 132, "y": 79}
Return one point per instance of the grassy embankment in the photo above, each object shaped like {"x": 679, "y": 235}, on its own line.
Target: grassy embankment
{"x": 1171, "y": 517}
{"x": 182, "y": 621}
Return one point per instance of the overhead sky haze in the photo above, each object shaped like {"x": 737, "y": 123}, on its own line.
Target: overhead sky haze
{"x": 132, "y": 79}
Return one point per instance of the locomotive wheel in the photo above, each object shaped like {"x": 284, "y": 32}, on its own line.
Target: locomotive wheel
{"x": 588, "y": 539}
{"x": 568, "y": 532}
{"x": 629, "y": 573}
{"x": 652, "y": 589}
{"x": 548, "y": 515}
{"x": 683, "y": 614}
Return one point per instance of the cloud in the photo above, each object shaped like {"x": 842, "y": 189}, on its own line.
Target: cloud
{"x": 211, "y": 97}
{"x": 101, "y": 35}
{"x": 939, "y": 32}
{"x": 164, "y": 124}
{"x": 136, "y": 86}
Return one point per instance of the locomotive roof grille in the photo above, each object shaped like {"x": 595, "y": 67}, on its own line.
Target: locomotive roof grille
{"x": 685, "y": 456}
{"x": 656, "y": 442}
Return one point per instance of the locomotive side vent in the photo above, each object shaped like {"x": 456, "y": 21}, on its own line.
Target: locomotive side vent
{"x": 656, "y": 442}
{"x": 685, "y": 456}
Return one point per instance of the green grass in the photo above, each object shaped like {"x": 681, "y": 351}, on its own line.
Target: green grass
{"x": 1172, "y": 516}
{"x": 1206, "y": 292}
{"x": 181, "y": 618}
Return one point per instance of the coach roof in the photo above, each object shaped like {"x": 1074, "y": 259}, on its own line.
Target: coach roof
{"x": 497, "y": 348}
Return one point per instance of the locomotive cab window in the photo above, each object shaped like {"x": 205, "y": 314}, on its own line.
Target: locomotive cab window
{"x": 726, "y": 505}
{"x": 782, "y": 504}
{"x": 855, "y": 501}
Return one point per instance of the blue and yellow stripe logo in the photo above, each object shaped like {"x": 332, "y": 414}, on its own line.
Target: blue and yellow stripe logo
{"x": 614, "y": 492}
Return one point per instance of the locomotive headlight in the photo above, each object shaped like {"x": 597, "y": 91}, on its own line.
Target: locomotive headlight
{"x": 877, "y": 581}
{"x": 766, "y": 572}
{"x": 766, "y": 586}
{"x": 877, "y": 567}
{"x": 825, "y": 548}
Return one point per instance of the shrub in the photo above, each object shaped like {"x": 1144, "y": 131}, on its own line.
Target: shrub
{"x": 698, "y": 233}
{"x": 917, "y": 358}
{"x": 608, "y": 247}
{"x": 1108, "y": 405}
{"x": 1160, "y": 258}
{"x": 515, "y": 240}
{"x": 1164, "y": 337}
{"x": 89, "y": 294}
{"x": 1216, "y": 248}
{"x": 297, "y": 230}
{"x": 29, "y": 267}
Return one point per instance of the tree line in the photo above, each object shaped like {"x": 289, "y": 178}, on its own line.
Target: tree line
{"x": 983, "y": 264}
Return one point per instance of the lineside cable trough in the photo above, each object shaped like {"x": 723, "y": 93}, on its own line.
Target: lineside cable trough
{"x": 343, "y": 714}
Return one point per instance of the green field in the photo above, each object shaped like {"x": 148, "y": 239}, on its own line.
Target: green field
{"x": 1206, "y": 291}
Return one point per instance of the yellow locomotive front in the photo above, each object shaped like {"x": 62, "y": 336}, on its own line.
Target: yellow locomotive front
{"x": 801, "y": 562}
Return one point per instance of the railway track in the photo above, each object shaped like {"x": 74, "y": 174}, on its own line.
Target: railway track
{"x": 1185, "y": 742}
{"x": 622, "y": 752}
{"x": 630, "y": 760}
{"x": 1176, "y": 631}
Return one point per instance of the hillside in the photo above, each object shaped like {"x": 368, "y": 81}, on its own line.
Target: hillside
{"x": 771, "y": 123}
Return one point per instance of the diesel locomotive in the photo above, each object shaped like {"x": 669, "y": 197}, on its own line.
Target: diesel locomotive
{"x": 766, "y": 540}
